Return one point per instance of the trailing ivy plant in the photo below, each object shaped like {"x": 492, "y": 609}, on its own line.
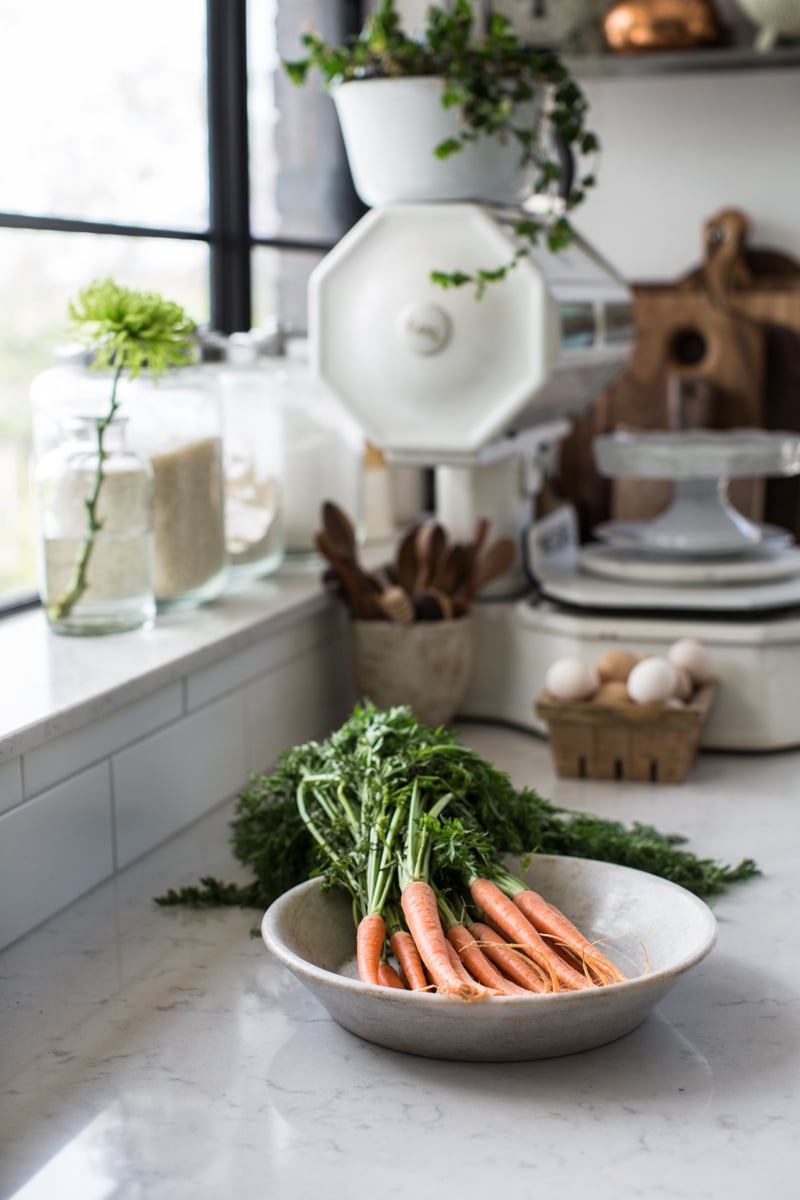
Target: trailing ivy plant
{"x": 127, "y": 331}
{"x": 488, "y": 78}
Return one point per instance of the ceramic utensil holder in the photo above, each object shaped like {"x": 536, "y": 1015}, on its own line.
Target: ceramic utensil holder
{"x": 425, "y": 665}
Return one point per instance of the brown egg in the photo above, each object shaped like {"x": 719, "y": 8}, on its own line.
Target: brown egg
{"x": 684, "y": 685}
{"x": 613, "y": 692}
{"x": 615, "y": 664}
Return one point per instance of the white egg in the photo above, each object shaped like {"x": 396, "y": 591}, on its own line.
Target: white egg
{"x": 652, "y": 681}
{"x": 694, "y": 657}
{"x": 571, "y": 679}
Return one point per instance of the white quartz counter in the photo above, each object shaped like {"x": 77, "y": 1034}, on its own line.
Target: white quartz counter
{"x": 151, "y": 1054}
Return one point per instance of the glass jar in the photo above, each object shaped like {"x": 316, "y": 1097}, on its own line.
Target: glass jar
{"x": 253, "y": 461}
{"x": 93, "y": 500}
{"x": 176, "y": 424}
{"x": 324, "y": 453}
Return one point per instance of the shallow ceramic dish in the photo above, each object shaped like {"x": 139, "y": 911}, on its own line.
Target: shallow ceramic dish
{"x": 654, "y": 931}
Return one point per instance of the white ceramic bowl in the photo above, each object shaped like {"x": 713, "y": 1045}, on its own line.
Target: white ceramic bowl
{"x": 656, "y": 932}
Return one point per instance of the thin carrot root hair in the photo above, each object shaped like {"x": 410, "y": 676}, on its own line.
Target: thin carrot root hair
{"x": 617, "y": 937}
{"x": 542, "y": 963}
{"x": 552, "y": 923}
{"x": 504, "y": 916}
{"x": 479, "y": 965}
{"x": 458, "y": 965}
{"x": 510, "y": 960}
{"x": 581, "y": 960}
{"x": 477, "y": 990}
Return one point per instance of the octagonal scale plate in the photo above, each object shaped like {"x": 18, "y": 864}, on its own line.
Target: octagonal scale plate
{"x": 421, "y": 368}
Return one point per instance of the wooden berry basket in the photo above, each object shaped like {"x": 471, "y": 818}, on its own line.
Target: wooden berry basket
{"x": 650, "y": 743}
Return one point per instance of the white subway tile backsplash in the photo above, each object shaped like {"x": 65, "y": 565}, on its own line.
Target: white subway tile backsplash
{"x": 302, "y": 699}
{"x": 53, "y": 849}
{"x": 63, "y": 756}
{"x": 280, "y": 647}
{"x": 169, "y": 779}
{"x": 10, "y": 784}
{"x": 78, "y": 806}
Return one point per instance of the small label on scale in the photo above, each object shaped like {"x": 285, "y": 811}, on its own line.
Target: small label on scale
{"x": 423, "y": 328}
{"x": 552, "y": 542}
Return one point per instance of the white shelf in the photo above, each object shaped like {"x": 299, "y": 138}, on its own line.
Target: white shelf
{"x": 676, "y": 62}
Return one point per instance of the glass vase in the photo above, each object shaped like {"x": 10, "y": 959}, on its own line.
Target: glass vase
{"x": 94, "y": 507}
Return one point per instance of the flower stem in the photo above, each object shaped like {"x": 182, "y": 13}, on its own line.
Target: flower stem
{"x": 63, "y": 607}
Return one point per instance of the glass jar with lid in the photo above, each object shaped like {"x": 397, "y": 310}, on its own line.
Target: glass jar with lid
{"x": 253, "y": 459}
{"x": 324, "y": 453}
{"x": 176, "y": 424}
{"x": 94, "y": 510}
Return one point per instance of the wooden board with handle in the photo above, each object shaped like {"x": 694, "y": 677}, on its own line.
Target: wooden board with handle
{"x": 719, "y": 348}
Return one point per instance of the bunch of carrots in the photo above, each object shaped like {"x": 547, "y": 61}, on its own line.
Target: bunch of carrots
{"x": 384, "y": 802}
{"x": 435, "y": 907}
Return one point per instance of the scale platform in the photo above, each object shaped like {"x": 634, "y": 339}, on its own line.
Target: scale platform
{"x": 757, "y": 662}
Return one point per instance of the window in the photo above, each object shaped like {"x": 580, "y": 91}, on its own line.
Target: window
{"x": 167, "y": 150}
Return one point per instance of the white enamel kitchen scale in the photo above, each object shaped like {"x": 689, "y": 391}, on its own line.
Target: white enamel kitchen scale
{"x": 484, "y": 391}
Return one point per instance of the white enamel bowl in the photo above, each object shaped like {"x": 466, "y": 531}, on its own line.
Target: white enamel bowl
{"x": 652, "y": 929}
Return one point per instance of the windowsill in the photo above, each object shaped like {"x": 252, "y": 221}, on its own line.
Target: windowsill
{"x": 54, "y": 685}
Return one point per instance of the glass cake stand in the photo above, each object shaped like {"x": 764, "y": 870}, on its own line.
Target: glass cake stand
{"x": 700, "y": 520}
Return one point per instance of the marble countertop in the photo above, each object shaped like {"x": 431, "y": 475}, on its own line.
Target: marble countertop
{"x": 151, "y": 1054}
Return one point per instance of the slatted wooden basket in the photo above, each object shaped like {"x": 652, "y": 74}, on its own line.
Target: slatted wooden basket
{"x": 645, "y": 742}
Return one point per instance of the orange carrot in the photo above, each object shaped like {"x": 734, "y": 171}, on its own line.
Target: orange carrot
{"x": 510, "y": 961}
{"x": 457, "y": 965}
{"x": 479, "y": 965}
{"x": 407, "y": 955}
{"x": 421, "y": 911}
{"x": 370, "y": 937}
{"x": 389, "y": 977}
{"x": 553, "y": 924}
{"x": 503, "y": 913}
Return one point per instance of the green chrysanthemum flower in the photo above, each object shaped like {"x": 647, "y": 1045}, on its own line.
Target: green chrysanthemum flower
{"x": 131, "y": 330}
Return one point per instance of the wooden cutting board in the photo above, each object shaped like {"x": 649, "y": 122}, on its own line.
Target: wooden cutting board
{"x": 720, "y": 349}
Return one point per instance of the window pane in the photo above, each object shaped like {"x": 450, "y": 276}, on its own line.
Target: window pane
{"x": 300, "y": 185}
{"x": 280, "y": 286}
{"x": 105, "y": 111}
{"x": 39, "y": 274}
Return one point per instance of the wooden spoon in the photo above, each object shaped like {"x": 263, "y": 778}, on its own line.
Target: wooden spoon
{"x": 406, "y": 561}
{"x": 358, "y": 587}
{"x": 453, "y": 568}
{"x": 498, "y": 558}
{"x": 429, "y": 545}
{"x": 340, "y": 531}
{"x": 478, "y": 538}
{"x": 339, "y": 538}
